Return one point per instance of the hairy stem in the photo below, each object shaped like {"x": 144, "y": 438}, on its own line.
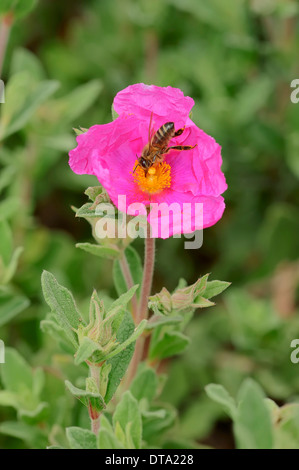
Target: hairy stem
{"x": 94, "y": 414}
{"x": 5, "y": 28}
{"x": 130, "y": 283}
{"x": 148, "y": 272}
{"x": 95, "y": 420}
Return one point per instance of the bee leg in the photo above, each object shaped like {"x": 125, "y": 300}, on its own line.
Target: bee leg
{"x": 180, "y": 147}
{"x": 179, "y": 132}
{"x": 138, "y": 164}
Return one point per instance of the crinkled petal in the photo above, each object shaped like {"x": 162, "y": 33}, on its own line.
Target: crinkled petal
{"x": 165, "y": 103}
{"x": 190, "y": 213}
{"x": 207, "y": 162}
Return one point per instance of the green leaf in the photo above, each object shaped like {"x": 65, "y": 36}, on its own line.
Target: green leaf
{"x": 202, "y": 302}
{"x": 253, "y": 426}
{"x": 12, "y": 267}
{"x": 198, "y": 418}
{"x": 30, "y": 434}
{"x": 8, "y": 398}
{"x": 6, "y": 243}
{"x": 286, "y": 426}
{"x": 104, "y": 374}
{"x": 81, "y": 438}
{"x": 18, "y": 7}
{"x": 87, "y": 211}
{"x": 120, "y": 434}
{"x": 38, "y": 414}
{"x": 123, "y": 300}
{"x": 145, "y": 385}
{"x": 85, "y": 350}
{"x": 93, "y": 192}
{"x": 159, "y": 320}
{"x": 61, "y": 142}
{"x": 135, "y": 266}
{"x": 114, "y": 113}
{"x": 23, "y": 388}
{"x": 10, "y": 306}
{"x": 106, "y": 424}
{"x": 252, "y": 98}
{"x": 170, "y": 344}
{"x": 109, "y": 252}
{"x": 85, "y": 396}
{"x": 70, "y": 107}
{"x": 107, "y": 440}
{"x": 156, "y": 424}
{"x": 62, "y": 303}
{"x": 220, "y": 395}
{"x": 38, "y": 381}
{"x": 127, "y": 412}
{"x": 137, "y": 332}
{"x": 8, "y": 208}
{"x": 16, "y": 373}
{"x": 7, "y": 176}
{"x": 119, "y": 363}
{"x": 80, "y": 131}
{"x": 13, "y": 120}
{"x": 51, "y": 327}
{"x": 23, "y": 59}
{"x": 214, "y": 288}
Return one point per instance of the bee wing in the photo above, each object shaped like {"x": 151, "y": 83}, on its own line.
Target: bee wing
{"x": 151, "y": 131}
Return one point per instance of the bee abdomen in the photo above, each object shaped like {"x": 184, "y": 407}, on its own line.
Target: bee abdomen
{"x": 164, "y": 134}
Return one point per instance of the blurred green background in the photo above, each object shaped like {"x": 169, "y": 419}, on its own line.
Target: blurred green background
{"x": 237, "y": 60}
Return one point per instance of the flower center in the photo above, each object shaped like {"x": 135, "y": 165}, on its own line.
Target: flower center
{"x": 156, "y": 179}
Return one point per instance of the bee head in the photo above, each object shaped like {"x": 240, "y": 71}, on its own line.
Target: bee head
{"x": 143, "y": 163}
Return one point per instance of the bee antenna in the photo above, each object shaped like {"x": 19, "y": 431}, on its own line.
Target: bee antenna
{"x": 137, "y": 164}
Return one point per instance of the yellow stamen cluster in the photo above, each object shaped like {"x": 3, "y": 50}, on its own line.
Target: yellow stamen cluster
{"x": 155, "y": 180}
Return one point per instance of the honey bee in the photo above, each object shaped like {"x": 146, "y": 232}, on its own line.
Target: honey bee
{"x": 157, "y": 147}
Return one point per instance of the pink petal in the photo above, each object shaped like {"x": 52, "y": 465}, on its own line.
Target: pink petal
{"x": 197, "y": 218}
{"x": 166, "y": 103}
{"x": 207, "y": 162}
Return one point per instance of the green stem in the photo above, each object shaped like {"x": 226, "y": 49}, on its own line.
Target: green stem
{"x": 148, "y": 272}
{"x": 94, "y": 414}
{"x": 130, "y": 283}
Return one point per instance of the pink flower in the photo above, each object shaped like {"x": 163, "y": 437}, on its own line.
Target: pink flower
{"x": 109, "y": 152}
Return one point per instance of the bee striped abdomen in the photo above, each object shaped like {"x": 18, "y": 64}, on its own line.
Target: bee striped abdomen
{"x": 164, "y": 134}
